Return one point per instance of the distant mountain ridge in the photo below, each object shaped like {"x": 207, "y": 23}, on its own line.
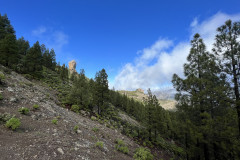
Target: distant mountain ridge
{"x": 165, "y": 97}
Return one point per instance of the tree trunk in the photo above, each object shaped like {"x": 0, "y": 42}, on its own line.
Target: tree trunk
{"x": 186, "y": 145}
{"x": 206, "y": 152}
{"x": 236, "y": 91}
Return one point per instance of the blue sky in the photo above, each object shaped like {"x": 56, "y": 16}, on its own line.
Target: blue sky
{"x": 140, "y": 43}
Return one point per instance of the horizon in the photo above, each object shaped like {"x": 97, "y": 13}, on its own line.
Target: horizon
{"x": 141, "y": 44}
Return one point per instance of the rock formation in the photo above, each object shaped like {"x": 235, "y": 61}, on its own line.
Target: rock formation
{"x": 140, "y": 90}
{"x": 72, "y": 66}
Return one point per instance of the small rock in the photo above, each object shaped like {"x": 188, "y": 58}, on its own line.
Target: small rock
{"x": 76, "y": 148}
{"x": 34, "y": 117}
{"x": 10, "y": 89}
{"x": 83, "y": 112}
{"x": 35, "y": 156}
{"x": 60, "y": 150}
{"x": 13, "y": 99}
{"x": 79, "y": 131}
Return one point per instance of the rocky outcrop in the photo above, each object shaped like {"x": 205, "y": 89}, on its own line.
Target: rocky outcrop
{"x": 72, "y": 66}
{"x": 140, "y": 90}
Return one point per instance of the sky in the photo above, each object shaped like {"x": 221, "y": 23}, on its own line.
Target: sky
{"x": 140, "y": 43}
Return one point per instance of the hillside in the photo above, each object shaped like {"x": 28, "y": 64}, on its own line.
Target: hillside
{"x": 165, "y": 102}
{"x": 39, "y": 138}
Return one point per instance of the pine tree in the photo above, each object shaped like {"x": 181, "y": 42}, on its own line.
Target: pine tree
{"x": 5, "y": 27}
{"x": 8, "y": 51}
{"x": 8, "y": 44}
{"x": 227, "y": 46}
{"x": 202, "y": 93}
{"x": 102, "y": 92}
{"x": 33, "y": 60}
{"x": 23, "y": 46}
{"x": 151, "y": 104}
{"x": 80, "y": 91}
{"x": 52, "y": 56}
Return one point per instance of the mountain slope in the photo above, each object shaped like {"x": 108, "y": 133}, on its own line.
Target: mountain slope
{"x": 39, "y": 138}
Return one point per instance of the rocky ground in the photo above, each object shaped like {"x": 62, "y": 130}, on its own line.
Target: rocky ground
{"x": 39, "y": 138}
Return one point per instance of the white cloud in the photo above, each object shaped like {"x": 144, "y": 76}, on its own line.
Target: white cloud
{"x": 39, "y": 31}
{"x": 194, "y": 22}
{"x": 52, "y": 39}
{"x": 154, "y": 66}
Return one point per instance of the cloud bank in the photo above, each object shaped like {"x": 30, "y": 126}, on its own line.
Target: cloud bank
{"x": 154, "y": 66}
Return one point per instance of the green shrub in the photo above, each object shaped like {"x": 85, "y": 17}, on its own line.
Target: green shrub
{"x": 120, "y": 146}
{"x": 2, "y": 77}
{"x": 5, "y": 117}
{"x": 95, "y": 129}
{"x": 99, "y": 144}
{"x": 55, "y": 121}
{"x": 13, "y": 123}
{"x": 93, "y": 118}
{"x": 75, "y": 108}
{"x": 1, "y": 97}
{"x": 143, "y": 154}
{"x": 75, "y": 128}
{"x": 23, "y": 110}
{"x": 35, "y": 107}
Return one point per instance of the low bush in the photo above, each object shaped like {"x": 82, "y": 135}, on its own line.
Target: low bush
{"x": 75, "y": 108}
{"x": 2, "y": 77}
{"x": 23, "y": 110}
{"x": 1, "y": 97}
{"x": 35, "y": 107}
{"x": 99, "y": 144}
{"x": 75, "y": 128}
{"x": 120, "y": 146}
{"x": 13, "y": 123}
{"x": 143, "y": 154}
{"x": 95, "y": 129}
{"x": 55, "y": 121}
{"x": 93, "y": 118}
{"x": 5, "y": 117}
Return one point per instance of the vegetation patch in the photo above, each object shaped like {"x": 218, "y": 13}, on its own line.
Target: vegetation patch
{"x": 75, "y": 128}
{"x": 23, "y": 110}
{"x": 99, "y": 144}
{"x": 143, "y": 154}
{"x": 5, "y": 117}
{"x": 93, "y": 118}
{"x": 120, "y": 146}
{"x": 75, "y": 108}
{"x": 1, "y": 97}
{"x": 13, "y": 123}
{"x": 35, "y": 107}
{"x": 2, "y": 77}
{"x": 95, "y": 129}
{"x": 55, "y": 121}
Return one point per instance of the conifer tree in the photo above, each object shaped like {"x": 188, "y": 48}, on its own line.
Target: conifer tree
{"x": 33, "y": 60}
{"x": 227, "y": 46}
{"x": 201, "y": 94}
{"x": 80, "y": 91}
{"x": 8, "y": 44}
{"x": 101, "y": 87}
{"x": 23, "y": 46}
{"x": 151, "y": 103}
